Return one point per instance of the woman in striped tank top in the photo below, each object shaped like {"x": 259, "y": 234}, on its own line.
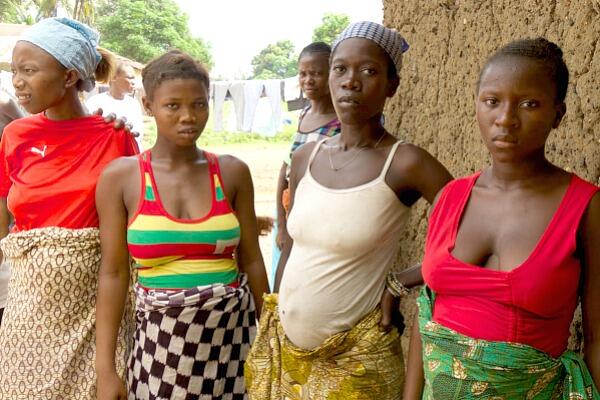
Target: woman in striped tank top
{"x": 187, "y": 219}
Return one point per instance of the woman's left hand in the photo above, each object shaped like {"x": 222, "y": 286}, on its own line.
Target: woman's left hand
{"x": 390, "y": 313}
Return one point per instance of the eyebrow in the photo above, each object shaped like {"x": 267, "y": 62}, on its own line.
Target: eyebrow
{"x": 179, "y": 99}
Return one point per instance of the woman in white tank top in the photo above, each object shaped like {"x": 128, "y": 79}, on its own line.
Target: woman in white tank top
{"x": 350, "y": 198}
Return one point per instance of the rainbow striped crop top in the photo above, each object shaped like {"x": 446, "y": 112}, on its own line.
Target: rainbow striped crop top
{"x": 172, "y": 253}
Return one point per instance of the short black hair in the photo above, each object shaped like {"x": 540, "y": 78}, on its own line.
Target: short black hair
{"x": 315, "y": 48}
{"x": 174, "y": 64}
{"x": 539, "y": 49}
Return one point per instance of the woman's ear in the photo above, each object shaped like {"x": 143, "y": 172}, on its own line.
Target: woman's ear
{"x": 561, "y": 110}
{"x": 71, "y": 78}
{"x": 393, "y": 84}
{"x": 147, "y": 105}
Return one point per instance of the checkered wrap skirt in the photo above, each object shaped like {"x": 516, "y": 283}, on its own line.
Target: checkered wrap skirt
{"x": 192, "y": 344}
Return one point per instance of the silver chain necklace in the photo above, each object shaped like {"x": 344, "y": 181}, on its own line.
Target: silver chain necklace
{"x": 356, "y": 153}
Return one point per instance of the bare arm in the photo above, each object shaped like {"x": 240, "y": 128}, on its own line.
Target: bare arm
{"x": 427, "y": 176}
{"x": 418, "y": 170}
{"x": 297, "y": 169}
{"x": 410, "y": 277}
{"x": 113, "y": 279}
{"x": 4, "y": 221}
{"x": 590, "y": 301}
{"x": 248, "y": 254}
{"x": 282, "y": 184}
{"x": 285, "y": 254}
{"x": 413, "y": 385}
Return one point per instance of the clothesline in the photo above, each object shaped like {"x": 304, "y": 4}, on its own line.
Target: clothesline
{"x": 246, "y": 94}
{"x": 252, "y": 101}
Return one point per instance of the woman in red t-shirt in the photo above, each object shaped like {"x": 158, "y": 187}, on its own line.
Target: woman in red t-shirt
{"x": 50, "y": 163}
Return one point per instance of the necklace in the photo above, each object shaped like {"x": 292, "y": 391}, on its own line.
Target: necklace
{"x": 356, "y": 153}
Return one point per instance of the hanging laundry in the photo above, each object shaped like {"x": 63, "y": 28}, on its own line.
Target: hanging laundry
{"x": 252, "y": 92}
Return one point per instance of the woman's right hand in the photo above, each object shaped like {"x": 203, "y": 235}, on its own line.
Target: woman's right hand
{"x": 110, "y": 386}
{"x": 119, "y": 123}
{"x": 282, "y": 236}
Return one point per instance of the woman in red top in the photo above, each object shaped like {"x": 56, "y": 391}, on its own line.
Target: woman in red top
{"x": 50, "y": 164}
{"x": 509, "y": 252}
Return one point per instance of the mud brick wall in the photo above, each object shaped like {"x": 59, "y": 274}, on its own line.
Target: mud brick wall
{"x": 434, "y": 106}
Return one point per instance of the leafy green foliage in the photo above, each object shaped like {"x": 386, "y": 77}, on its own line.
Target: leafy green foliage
{"x": 12, "y": 12}
{"x": 143, "y": 29}
{"x": 277, "y": 60}
{"x": 30, "y": 11}
{"x": 332, "y": 25}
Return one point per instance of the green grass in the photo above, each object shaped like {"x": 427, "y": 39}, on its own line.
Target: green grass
{"x": 210, "y": 138}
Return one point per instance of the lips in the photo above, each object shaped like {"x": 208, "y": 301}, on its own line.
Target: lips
{"x": 504, "y": 141}
{"x": 23, "y": 98}
{"x": 349, "y": 100}
{"x": 188, "y": 131}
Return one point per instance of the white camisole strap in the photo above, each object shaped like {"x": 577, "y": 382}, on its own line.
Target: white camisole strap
{"x": 386, "y": 166}
{"x": 312, "y": 155}
{"x": 390, "y": 158}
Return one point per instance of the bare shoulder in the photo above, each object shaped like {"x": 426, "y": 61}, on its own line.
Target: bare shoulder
{"x": 301, "y": 156}
{"x": 121, "y": 168}
{"x": 411, "y": 155}
{"x": 230, "y": 165}
{"x": 303, "y": 152}
{"x": 235, "y": 174}
{"x": 412, "y": 159}
{"x": 414, "y": 168}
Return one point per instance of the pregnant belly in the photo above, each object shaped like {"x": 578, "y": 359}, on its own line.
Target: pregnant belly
{"x": 310, "y": 315}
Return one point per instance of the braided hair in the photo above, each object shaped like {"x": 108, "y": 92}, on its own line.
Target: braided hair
{"x": 539, "y": 49}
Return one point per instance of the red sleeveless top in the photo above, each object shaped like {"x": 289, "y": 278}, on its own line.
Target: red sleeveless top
{"x": 532, "y": 304}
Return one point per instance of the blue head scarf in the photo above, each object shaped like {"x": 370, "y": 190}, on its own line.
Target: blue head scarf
{"x": 72, "y": 43}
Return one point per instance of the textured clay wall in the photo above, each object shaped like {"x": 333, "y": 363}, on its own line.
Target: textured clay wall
{"x": 450, "y": 40}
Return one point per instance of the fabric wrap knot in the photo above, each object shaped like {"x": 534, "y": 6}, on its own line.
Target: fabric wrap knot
{"x": 70, "y": 42}
{"x": 388, "y": 39}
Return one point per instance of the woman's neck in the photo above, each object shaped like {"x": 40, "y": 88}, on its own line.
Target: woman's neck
{"x": 166, "y": 150}
{"x": 69, "y": 107}
{"x": 361, "y": 135}
{"x": 322, "y": 106}
{"x": 522, "y": 173}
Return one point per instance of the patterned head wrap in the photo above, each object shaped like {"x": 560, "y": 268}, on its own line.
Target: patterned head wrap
{"x": 388, "y": 39}
{"x": 72, "y": 43}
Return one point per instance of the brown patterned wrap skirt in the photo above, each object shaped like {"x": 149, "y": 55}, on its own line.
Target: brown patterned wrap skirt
{"x": 47, "y": 338}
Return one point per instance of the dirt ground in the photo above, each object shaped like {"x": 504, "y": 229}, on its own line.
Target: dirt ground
{"x": 264, "y": 161}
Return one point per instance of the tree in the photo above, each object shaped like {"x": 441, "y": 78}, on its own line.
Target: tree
{"x": 332, "y": 25}
{"x": 30, "y": 11}
{"x": 143, "y": 29}
{"x": 277, "y": 60}
{"x": 14, "y": 12}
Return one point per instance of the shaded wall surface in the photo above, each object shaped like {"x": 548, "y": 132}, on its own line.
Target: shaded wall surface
{"x": 450, "y": 40}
